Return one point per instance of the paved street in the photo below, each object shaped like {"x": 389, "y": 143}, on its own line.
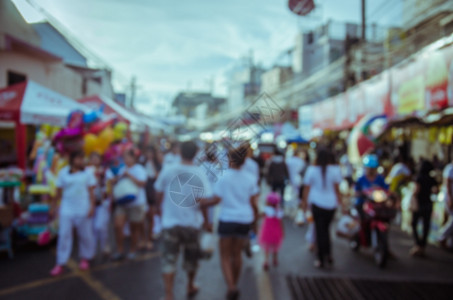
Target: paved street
{"x": 354, "y": 274}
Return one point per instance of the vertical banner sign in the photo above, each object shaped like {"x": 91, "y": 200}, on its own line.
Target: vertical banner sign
{"x": 436, "y": 79}
{"x": 341, "y": 111}
{"x": 408, "y": 92}
{"x": 376, "y": 92}
{"x": 306, "y": 121}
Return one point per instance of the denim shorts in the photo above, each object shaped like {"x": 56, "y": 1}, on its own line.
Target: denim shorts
{"x": 233, "y": 229}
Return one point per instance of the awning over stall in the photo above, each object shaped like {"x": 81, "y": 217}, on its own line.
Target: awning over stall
{"x": 30, "y": 103}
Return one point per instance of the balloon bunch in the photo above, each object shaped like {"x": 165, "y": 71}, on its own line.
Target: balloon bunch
{"x": 87, "y": 132}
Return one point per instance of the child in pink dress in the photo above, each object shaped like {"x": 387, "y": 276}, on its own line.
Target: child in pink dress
{"x": 271, "y": 233}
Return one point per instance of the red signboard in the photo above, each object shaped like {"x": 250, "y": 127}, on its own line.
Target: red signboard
{"x": 301, "y": 7}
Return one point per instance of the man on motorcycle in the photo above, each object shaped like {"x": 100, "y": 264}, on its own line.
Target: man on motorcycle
{"x": 371, "y": 178}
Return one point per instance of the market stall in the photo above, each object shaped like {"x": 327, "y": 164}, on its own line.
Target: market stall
{"x": 29, "y": 103}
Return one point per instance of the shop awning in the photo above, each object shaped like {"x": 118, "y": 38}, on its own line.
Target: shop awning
{"x": 114, "y": 109}
{"x": 31, "y": 103}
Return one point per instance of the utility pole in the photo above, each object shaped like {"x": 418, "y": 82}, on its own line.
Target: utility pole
{"x": 363, "y": 20}
{"x": 133, "y": 88}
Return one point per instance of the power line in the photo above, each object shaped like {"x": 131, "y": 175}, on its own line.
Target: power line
{"x": 382, "y": 8}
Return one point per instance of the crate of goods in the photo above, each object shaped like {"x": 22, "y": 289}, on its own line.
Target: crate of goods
{"x": 6, "y": 215}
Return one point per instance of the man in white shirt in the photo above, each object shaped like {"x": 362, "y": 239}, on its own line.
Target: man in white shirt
{"x": 250, "y": 166}
{"x": 173, "y": 156}
{"x": 295, "y": 166}
{"x": 180, "y": 187}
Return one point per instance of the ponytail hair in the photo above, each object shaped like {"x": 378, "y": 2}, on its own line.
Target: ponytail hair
{"x": 323, "y": 159}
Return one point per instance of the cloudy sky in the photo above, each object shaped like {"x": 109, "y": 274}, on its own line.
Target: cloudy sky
{"x": 170, "y": 45}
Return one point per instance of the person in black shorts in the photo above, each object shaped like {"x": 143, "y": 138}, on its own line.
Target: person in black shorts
{"x": 237, "y": 192}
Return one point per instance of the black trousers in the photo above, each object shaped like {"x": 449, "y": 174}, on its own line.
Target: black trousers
{"x": 322, "y": 219}
{"x": 425, "y": 215}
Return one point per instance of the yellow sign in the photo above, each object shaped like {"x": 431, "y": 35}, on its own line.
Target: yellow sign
{"x": 411, "y": 96}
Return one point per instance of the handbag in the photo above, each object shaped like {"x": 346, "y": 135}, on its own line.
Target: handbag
{"x": 413, "y": 204}
{"x": 125, "y": 191}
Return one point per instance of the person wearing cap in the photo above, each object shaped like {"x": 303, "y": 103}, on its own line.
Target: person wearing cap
{"x": 371, "y": 178}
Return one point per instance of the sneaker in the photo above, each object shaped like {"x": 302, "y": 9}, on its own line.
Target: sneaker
{"x": 56, "y": 271}
{"x": 117, "y": 256}
{"x": 414, "y": 251}
{"x": 84, "y": 265}
{"x": 132, "y": 256}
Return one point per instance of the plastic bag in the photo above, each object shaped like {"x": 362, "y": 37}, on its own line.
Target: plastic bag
{"x": 300, "y": 218}
{"x": 347, "y": 226}
{"x": 207, "y": 242}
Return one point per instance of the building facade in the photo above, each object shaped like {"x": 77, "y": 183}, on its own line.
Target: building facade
{"x": 40, "y": 53}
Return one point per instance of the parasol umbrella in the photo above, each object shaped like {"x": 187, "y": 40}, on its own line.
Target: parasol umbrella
{"x": 297, "y": 140}
{"x": 363, "y": 136}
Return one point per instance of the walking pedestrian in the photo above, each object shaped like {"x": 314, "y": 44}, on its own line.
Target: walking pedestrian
{"x": 152, "y": 167}
{"x": 271, "y": 233}
{"x": 278, "y": 175}
{"x": 173, "y": 156}
{"x": 447, "y": 230}
{"x": 250, "y": 165}
{"x": 425, "y": 185}
{"x": 322, "y": 193}
{"x": 295, "y": 165}
{"x": 133, "y": 212}
{"x": 101, "y": 218}
{"x": 180, "y": 187}
{"x": 75, "y": 188}
{"x": 237, "y": 191}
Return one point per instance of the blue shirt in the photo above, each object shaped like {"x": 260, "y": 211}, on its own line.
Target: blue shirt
{"x": 363, "y": 184}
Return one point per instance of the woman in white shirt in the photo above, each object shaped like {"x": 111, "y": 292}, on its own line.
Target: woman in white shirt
{"x": 75, "y": 188}
{"x": 321, "y": 192}
{"x": 237, "y": 191}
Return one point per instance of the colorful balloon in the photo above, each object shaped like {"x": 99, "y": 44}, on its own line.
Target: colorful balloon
{"x": 100, "y": 126}
{"x": 46, "y": 129}
{"x": 90, "y": 143}
{"x": 107, "y": 136}
{"x": 120, "y": 130}
{"x": 75, "y": 119}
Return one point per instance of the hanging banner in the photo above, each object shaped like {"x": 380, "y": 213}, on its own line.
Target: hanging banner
{"x": 436, "y": 79}
{"x": 448, "y": 57}
{"x": 306, "y": 121}
{"x": 356, "y": 107}
{"x": 408, "y": 93}
{"x": 376, "y": 92}
{"x": 341, "y": 111}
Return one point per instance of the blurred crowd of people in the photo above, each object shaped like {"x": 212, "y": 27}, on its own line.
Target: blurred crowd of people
{"x": 171, "y": 196}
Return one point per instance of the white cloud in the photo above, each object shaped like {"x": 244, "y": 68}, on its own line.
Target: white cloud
{"x": 167, "y": 43}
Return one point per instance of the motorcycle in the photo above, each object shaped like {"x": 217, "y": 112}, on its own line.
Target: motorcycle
{"x": 378, "y": 211}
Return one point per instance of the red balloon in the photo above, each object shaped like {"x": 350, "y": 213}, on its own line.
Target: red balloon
{"x": 99, "y": 126}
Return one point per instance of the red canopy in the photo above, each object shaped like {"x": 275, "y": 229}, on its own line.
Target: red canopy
{"x": 31, "y": 103}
